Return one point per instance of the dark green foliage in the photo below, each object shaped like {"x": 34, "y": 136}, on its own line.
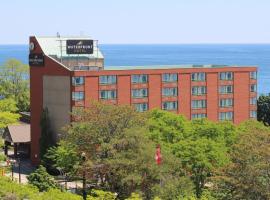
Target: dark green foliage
{"x": 46, "y": 138}
{"x": 263, "y": 109}
{"x": 247, "y": 176}
{"x": 41, "y": 179}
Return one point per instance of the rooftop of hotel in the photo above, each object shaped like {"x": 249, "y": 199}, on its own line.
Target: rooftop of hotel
{"x": 166, "y": 67}
{"x": 56, "y": 48}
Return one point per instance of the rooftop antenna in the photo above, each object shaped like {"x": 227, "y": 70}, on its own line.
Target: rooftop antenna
{"x": 58, "y": 34}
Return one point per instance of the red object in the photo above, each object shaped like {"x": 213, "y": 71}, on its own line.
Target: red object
{"x": 158, "y": 155}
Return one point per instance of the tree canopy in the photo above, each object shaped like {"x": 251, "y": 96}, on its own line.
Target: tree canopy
{"x": 14, "y": 83}
{"x": 263, "y": 111}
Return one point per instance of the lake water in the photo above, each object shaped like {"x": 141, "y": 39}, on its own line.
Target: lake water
{"x": 229, "y": 54}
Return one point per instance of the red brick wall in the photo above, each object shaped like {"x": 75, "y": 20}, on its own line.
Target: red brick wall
{"x": 91, "y": 89}
{"x": 184, "y": 94}
{"x": 241, "y": 96}
{"x": 124, "y": 90}
{"x": 212, "y": 96}
{"x": 154, "y": 91}
{"x": 36, "y": 96}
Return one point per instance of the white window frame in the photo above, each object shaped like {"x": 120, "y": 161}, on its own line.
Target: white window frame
{"x": 199, "y": 90}
{"x": 198, "y": 76}
{"x": 169, "y": 77}
{"x": 198, "y": 104}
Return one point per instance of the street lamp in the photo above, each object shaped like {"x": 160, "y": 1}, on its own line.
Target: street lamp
{"x": 83, "y": 156}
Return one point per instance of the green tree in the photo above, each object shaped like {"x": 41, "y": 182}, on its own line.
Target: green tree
{"x": 200, "y": 158}
{"x": 63, "y": 156}
{"x": 7, "y": 118}
{"x": 247, "y": 176}
{"x": 7, "y": 113}
{"x": 41, "y": 179}
{"x": 263, "y": 109}
{"x": 101, "y": 195}
{"x": 200, "y": 145}
{"x": 8, "y": 105}
{"x": 46, "y": 138}
{"x": 119, "y": 154}
{"x": 14, "y": 83}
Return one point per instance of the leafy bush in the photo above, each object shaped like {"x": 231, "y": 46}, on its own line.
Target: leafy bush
{"x": 41, "y": 179}
{"x": 10, "y": 190}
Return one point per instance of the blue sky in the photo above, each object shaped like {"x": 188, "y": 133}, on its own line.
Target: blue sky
{"x": 138, "y": 21}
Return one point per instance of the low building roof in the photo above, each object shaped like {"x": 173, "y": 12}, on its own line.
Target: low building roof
{"x": 18, "y": 133}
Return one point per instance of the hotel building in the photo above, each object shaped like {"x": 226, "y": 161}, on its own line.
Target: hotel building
{"x": 69, "y": 72}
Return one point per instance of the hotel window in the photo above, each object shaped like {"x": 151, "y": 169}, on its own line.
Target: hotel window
{"x": 106, "y": 80}
{"x": 198, "y": 116}
{"x": 170, "y": 105}
{"x": 253, "y": 75}
{"x": 224, "y": 103}
{"x": 77, "y": 96}
{"x": 198, "y": 76}
{"x": 169, "y": 92}
{"x": 225, "y": 116}
{"x": 253, "y": 101}
{"x": 143, "y": 78}
{"x": 141, "y": 107}
{"x": 169, "y": 78}
{"x": 253, "y": 114}
{"x": 108, "y": 94}
{"x": 140, "y": 93}
{"x": 198, "y": 90}
{"x": 196, "y": 104}
{"x": 225, "y": 76}
{"x": 226, "y": 89}
{"x": 253, "y": 88}
{"x": 78, "y": 80}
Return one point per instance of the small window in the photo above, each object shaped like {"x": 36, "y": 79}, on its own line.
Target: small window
{"x": 106, "y": 80}
{"x": 224, "y": 103}
{"x": 77, "y": 96}
{"x": 169, "y": 92}
{"x": 253, "y": 75}
{"x": 198, "y": 90}
{"x": 140, "y": 93}
{"x": 226, "y": 89}
{"x": 253, "y": 101}
{"x": 142, "y": 78}
{"x": 107, "y": 94}
{"x": 196, "y": 104}
{"x": 169, "y": 78}
{"x": 141, "y": 107}
{"x": 225, "y": 116}
{"x": 253, "y": 114}
{"x": 225, "y": 76}
{"x": 198, "y": 76}
{"x": 198, "y": 116}
{"x": 170, "y": 105}
{"x": 253, "y": 88}
{"x": 78, "y": 80}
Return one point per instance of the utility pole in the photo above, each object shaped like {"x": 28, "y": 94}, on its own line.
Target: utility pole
{"x": 83, "y": 156}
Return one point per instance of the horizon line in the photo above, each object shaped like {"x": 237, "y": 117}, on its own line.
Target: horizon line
{"x": 199, "y": 43}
